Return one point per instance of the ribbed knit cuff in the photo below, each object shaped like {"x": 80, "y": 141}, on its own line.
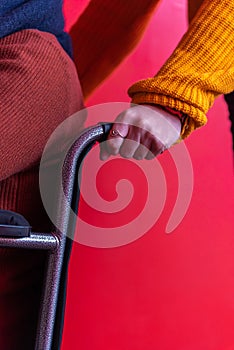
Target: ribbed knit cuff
{"x": 196, "y": 117}
{"x": 200, "y": 68}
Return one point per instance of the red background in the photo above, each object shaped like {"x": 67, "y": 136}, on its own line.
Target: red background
{"x": 162, "y": 291}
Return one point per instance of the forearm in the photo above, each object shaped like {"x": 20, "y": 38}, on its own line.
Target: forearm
{"x": 105, "y": 34}
{"x": 201, "y": 67}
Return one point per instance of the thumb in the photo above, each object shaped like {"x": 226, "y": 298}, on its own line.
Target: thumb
{"x": 119, "y": 130}
{"x": 116, "y": 137}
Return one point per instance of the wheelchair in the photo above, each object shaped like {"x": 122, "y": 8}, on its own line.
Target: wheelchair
{"x": 15, "y": 232}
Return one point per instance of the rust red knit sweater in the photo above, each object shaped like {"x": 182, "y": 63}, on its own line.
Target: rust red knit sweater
{"x": 39, "y": 89}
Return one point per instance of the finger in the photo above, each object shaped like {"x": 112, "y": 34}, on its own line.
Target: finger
{"x": 119, "y": 129}
{"x": 116, "y": 138}
{"x": 131, "y": 143}
{"x": 141, "y": 152}
{"x": 104, "y": 154}
{"x": 150, "y": 156}
{"x": 144, "y": 146}
{"x": 155, "y": 149}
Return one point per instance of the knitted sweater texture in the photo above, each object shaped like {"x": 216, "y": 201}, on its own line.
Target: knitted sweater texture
{"x": 198, "y": 71}
{"x": 200, "y": 68}
{"x": 39, "y": 89}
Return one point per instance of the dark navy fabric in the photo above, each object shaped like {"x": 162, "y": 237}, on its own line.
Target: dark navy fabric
{"x": 8, "y": 217}
{"x": 44, "y": 15}
{"x": 229, "y": 98}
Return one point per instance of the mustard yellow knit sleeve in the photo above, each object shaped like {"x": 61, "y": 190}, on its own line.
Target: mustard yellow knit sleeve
{"x": 200, "y": 68}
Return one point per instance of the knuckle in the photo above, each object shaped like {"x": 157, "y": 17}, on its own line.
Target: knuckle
{"x": 112, "y": 146}
{"x": 138, "y": 156}
{"x": 144, "y": 125}
{"x": 126, "y": 152}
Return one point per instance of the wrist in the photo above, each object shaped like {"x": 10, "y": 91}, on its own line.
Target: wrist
{"x": 176, "y": 113}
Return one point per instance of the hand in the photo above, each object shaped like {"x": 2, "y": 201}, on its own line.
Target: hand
{"x": 141, "y": 132}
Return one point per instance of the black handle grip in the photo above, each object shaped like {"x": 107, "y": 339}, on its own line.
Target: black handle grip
{"x": 13, "y": 224}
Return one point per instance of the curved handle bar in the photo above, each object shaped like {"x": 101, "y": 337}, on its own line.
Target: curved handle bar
{"x": 52, "y": 314}
{"x": 50, "y": 324}
{"x": 75, "y": 156}
{"x": 70, "y": 185}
